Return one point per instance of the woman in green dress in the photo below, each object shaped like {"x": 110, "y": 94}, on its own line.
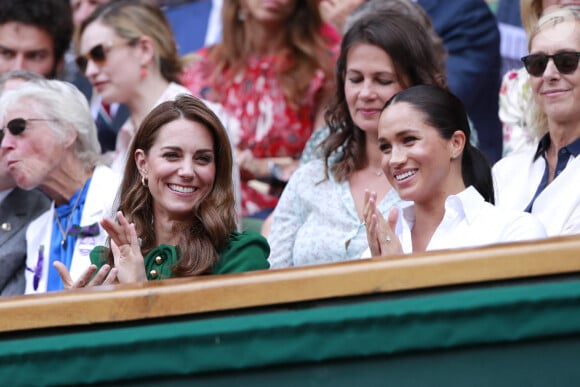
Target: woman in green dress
{"x": 176, "y": 215}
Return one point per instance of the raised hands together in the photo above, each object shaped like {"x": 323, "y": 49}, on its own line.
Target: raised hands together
{"x": 129, "y": 265}
{"x": 380, "y": 233}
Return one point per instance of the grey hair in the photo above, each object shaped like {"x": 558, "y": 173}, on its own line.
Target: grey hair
{"x": 24, "y": 75}
{"x": 69, "y": 108}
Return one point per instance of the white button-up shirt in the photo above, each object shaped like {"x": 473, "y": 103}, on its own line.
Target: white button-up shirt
{"x": 469, "y": 221}
{"x": 517, "y": 178}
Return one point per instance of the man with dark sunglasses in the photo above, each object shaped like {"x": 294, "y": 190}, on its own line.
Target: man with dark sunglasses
{"x": 18, "y": 208}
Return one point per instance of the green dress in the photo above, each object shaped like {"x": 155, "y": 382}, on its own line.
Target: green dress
{"x": 245, "y": 252}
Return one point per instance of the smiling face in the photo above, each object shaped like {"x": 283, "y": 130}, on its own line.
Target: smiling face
{"x": 417, "y": 161}
{"x": 180, "y": 168}
{"x": 370, "y": 81}
{"x": 117, "y": 76}
{"x": 557, "y": 94}
{"x": 26, "y": 47}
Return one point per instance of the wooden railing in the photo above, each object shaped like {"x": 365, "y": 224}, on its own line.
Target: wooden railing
{"x": 189, "y": 296}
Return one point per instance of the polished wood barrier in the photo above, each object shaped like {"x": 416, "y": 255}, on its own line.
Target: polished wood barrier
{"x": 188, "y": 296}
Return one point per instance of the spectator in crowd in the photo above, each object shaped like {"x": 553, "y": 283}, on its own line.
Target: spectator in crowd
{"x": 319, "y": 216}
{"x": 108, "y": 117}
{"x": 126, "y": 50}
{"x": 447, "y": 183}
{"x": 50, "y": 142}
{"x": 34, "y": 35}
{"x": 471, "y": 36}
{"x": 176, "y": 215}
{"x": 407, "y": 7}
{"x": 515, "y": 108}
{"x": 271, "y": 71}
{"x": 542, "y": 181}
{"x": 17, "y": 209}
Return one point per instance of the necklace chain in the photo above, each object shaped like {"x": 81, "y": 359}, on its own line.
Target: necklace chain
{"x": 68, "y": 222}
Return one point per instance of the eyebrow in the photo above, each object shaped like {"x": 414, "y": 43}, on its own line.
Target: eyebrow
{"x": 36, "y": 50}
{"x": 402, "y": 133}
{"x": 178, "y": 148}
{"x": 390, "y": 73}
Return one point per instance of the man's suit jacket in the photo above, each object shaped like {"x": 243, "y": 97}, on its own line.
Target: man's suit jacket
{"x": 471, "y": 36}
{"x": 17, "y": 210}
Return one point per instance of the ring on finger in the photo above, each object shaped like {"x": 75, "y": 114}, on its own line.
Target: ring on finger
{"x": 388, "y": 238}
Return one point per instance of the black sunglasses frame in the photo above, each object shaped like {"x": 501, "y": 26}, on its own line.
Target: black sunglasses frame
{"x": 17, "y": 125}
{"x": 536, "y": 64}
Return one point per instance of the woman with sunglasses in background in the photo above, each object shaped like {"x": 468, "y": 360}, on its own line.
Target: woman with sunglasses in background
{"x": 49, "y": 141}
{"x": 544, "y": 180}
{"x": 515, "y": 93}
{"x": 128, "y": 52}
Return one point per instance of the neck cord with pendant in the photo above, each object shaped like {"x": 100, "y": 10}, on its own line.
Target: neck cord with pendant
{"x": 68, "y": 222}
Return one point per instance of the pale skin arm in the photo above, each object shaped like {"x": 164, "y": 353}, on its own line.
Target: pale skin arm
{"x": 380, "y": 235}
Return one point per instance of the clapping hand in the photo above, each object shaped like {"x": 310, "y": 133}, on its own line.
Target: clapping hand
{"x": 126, "y": 249}
{"x": 105, "y": 276}
{"x": 380, "y": 235}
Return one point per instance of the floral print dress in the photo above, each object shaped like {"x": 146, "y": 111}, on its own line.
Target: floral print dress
{"x": 515, "y": 114}
{"x": 269, "y": 125}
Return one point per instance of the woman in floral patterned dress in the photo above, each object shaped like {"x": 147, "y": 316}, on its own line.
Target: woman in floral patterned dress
{"x": 272, "y": 72}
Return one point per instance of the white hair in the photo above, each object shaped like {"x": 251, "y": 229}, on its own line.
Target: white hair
{"x": 67, "y": 106}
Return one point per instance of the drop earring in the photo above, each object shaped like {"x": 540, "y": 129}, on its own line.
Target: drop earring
{"x": 143, "y": 72}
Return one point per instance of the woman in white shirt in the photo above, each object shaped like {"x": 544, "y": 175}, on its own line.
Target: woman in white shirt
{"x": 544, "y": 180}
{"x": 428, "y": 159}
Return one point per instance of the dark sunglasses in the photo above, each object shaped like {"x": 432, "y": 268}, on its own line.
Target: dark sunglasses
{"x": 17, "y": 125}
{"x": 98, "y": 54}
{"x": 566, "y": 62}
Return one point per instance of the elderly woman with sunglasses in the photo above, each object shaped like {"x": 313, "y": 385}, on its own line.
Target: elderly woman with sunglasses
{"x": 544, "y": 180}
{"x": 49, "y": 141}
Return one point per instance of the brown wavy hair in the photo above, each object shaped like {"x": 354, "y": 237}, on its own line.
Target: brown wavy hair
{"x": 410, "y": 47}
{"x": 306, "y": 50}
{"x": 213, "y": 220}
{"x": 132, "y": 19}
